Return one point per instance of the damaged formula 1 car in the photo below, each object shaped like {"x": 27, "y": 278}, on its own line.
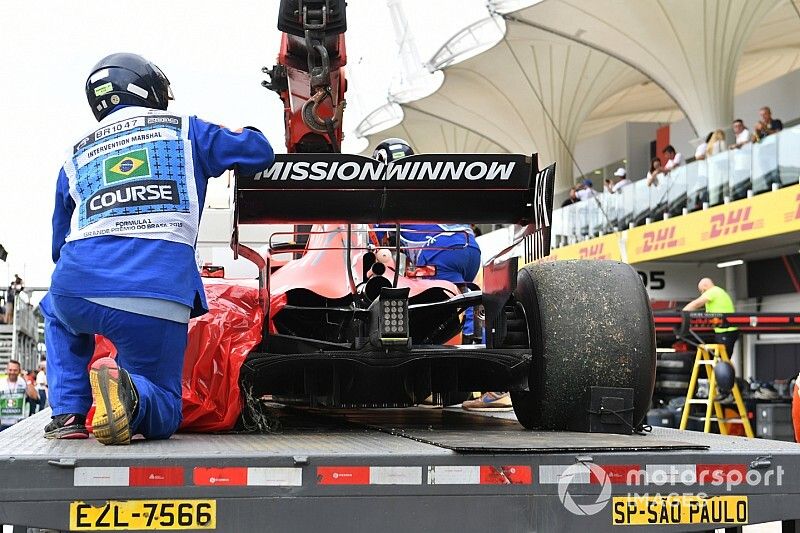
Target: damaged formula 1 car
{"x": 572, "y": 340}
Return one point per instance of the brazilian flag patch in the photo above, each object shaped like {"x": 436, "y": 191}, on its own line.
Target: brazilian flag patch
{"x": 126, "y": 166}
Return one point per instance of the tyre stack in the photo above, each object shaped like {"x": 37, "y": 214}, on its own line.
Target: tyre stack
{"x": 673, "y": 371}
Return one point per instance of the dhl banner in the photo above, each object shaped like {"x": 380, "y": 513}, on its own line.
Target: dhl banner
{"x": 765, "y": 215}
{"x": 605, "y": 247}
{"x": 762, "y": 216}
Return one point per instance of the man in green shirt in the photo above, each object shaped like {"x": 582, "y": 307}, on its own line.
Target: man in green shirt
{"x": 716, "y": 300}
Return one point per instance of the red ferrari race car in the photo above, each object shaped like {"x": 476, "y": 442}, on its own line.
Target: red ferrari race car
{"x": 572, "y": 340}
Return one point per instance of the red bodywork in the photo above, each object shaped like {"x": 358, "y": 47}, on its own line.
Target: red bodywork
{"x": 323, "y": 268}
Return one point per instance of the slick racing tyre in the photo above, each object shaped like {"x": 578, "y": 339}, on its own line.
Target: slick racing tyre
{"x": 589, "y": 324}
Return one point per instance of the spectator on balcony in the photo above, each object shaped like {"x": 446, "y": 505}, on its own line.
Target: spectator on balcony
{"x": 656, "y": 172}
{"x": 716, "y": 143}
{"x": 572, "y": 198}
{"x": 14, "y": 288}
{"x": 700, "y": 152}
{"x": 743, "y": 135}
{"x": 620, "y": 181}
{"x": 674, "y": 158}
{"x": 585, "y": 190}
{"x": 767, "y": 125}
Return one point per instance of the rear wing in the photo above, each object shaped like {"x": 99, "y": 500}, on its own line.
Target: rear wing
{"x": 438, "y": 188}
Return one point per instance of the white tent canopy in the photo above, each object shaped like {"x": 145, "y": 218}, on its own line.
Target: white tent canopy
{"x": 772, "y": 51}
{"x": 530, "y": 92}
{"x": 690, "y": 49}
{"x": 567, "y": 69}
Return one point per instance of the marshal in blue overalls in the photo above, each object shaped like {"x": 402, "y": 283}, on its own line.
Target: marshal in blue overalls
{"x": 128, "y": 204}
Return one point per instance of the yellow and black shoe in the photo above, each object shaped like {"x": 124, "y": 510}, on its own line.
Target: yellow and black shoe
{"x": 115, "y": 399}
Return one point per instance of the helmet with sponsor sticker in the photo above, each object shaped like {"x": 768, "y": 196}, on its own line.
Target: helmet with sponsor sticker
{"x": 126, "y": 79}
{"x": 390, "y": 150}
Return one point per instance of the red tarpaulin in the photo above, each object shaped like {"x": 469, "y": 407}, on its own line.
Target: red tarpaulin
{"x": 219, "y": 342}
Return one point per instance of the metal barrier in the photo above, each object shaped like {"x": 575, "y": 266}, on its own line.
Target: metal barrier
{"x": 755, "y": 168}
{"x": 19, "y": 340}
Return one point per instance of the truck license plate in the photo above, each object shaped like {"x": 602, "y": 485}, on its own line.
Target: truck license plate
{"x": 678, "y": 509}
{"x": 143, "y": 514}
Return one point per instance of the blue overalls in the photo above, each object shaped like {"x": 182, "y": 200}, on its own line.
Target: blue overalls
{"x": 125, "y": 223}
{"x": 451, "y": 248}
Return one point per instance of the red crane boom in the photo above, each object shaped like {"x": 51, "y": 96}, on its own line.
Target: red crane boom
{"x": 309, "y": 76}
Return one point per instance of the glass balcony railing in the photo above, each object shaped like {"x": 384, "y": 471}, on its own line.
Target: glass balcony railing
{"x": 756, "y": 168}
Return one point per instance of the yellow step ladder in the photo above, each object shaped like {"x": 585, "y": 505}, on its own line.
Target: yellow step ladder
{"x": 707, "y": 356}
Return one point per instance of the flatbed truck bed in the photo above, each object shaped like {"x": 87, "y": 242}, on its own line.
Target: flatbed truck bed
{"x": 397, "y": 470}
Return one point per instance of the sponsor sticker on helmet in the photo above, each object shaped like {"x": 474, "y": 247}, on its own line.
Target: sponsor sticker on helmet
{"x": 99, "y": 75}
{"x": 138, "y": 91}
{"x": 100, "y": 90}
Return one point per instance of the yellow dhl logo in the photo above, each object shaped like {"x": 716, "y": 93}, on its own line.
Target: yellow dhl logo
{"x": 734, "y": 221}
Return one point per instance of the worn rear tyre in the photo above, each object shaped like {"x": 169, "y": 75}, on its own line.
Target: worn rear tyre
{"x": 589, "y": 324}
